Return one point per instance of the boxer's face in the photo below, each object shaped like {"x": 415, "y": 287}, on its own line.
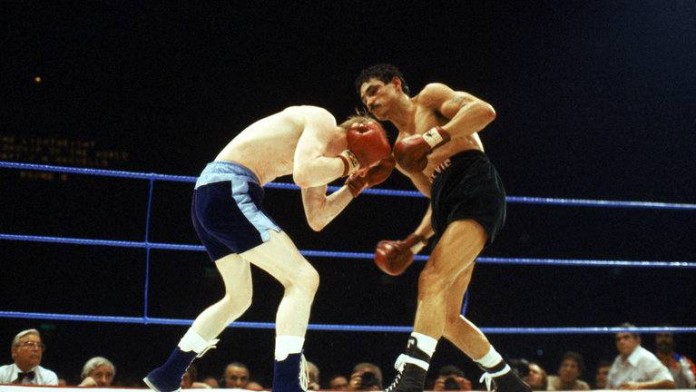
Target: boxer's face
{"x": 378, "y": 96}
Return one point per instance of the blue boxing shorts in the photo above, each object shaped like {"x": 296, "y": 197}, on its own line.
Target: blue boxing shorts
{"x": 227, "y": 210}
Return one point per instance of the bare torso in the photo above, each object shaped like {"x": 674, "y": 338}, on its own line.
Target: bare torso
{"x": 425, "y": 119}
{"x": 267, "y": 147}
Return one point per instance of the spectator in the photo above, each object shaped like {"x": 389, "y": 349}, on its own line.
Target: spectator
{"x": 236, "y": 376}
{"x": 212, "y": 382}
{"x": 682, "y": 368}
{"x": 636, "y": 367}
{"x": 569, "y": 372}
{"x": 98, "y": 372}
{"x": 338, "y": 382}
{"x": 27, "y": 351}
{"x": 254, "y": 386}
{"x": 313, "y": 374}
{"x": 601, "y": 374}
{"x": 536, "y": 377}
{"x": 189, "y": 381}
{"x": 366, "y": 376}
{"x": 451, "y": 378}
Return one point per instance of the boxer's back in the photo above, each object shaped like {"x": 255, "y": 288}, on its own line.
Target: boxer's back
{"x": 267, "y": 147}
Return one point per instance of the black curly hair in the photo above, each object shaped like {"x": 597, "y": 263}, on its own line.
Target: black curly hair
{"x": 384, "y": 72}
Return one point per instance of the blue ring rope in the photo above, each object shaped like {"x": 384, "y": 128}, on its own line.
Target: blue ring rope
{"x": 151, "y": 177}
{"x": 357, "y": 255}
{"x": 379, "y": 192}
{"x": 341, "y": 327}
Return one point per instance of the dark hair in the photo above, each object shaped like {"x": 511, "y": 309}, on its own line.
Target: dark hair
{"x": 577, "y": 357}
{"x": 383, "y": 72}
{"x": 450, "y": 370}
{"x": 603, "y": 363}
{"x": 628, "y": 325}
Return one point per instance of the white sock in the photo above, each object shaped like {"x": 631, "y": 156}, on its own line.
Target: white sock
{"x": 195, "y": 342}
{"x": 286, "y": 345}
{"x": 491, "y": 359}
{"x": 425, "y": 343}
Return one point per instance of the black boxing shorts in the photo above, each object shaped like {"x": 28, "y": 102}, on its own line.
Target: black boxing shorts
{"x": 227, "y": 210}
{"x": 468, "y": 186}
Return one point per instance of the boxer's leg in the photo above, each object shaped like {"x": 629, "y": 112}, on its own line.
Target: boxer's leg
{"x": 201, "y": 336}
{"x": 450, "y": 262}
{"x": 282, "y": 260}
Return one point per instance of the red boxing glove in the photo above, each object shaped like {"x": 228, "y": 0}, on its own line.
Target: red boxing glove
{"x": 412, "y": 152}
{"x": 368, "y": 143}
{"x": 393, "y": 257}
{"x": 374, "y": 176}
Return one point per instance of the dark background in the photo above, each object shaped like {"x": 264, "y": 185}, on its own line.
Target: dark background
{"x": 595, "y": 100}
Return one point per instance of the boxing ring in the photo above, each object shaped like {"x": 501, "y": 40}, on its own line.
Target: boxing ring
{"x": 148, "y": 245}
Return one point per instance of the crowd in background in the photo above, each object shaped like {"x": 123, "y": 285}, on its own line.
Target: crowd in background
{"x": 634, "y": 367}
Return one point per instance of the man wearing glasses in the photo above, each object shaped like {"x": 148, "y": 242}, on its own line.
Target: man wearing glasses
{"x": 27, "y": 350}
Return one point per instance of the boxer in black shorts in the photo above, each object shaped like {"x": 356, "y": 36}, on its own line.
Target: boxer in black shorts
{"x": 468, "y": 187}
{"x": 439, "y": 149}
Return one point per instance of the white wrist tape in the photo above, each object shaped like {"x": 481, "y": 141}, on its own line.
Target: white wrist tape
{"x": 433, "y": 137}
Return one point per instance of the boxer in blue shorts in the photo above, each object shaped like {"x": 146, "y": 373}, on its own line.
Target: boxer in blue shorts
{"x": 439, "y": 149}
{"x": 228, "y": 215}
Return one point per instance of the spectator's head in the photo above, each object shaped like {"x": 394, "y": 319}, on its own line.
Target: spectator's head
{"x": 189, "y": 377}
{"x": 451, "y": 378}
{"x": 101, "y": 370}
{"x": 314, "y": 376}
{"x": 536, "y": 377}
{"x": 236, "y": 375}
{"x": 571, "y": 368}
{"x": 338, "y": 382}
{"x": 627, "y": 341}
{"x": 602, "y": 374}
{"x": 211, "y": 382}
{"x": 520, "y": 366}
{"x": 664, "y": 342}
{"x": 27, "y": 349}
{"x": 371, "y": 376}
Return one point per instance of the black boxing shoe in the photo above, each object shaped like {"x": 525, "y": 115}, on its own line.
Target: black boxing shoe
{"x": 410, "y": 379}
{"x": 410, "y": 376}
{"x": 508, "y": 382}
{"x": 511, "y": 382}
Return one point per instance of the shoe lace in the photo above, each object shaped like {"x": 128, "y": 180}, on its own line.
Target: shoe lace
{"x": 487, "y": 379}
{"x": 304, "y": 373}
{"x": 399, "y": 366}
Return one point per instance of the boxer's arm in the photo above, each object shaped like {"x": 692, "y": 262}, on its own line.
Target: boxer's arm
{"x": 320, "y": 208}
{"x": 425, "y": 229}
{"x": 419, "y": 180}
{"x": 467, "y": 113}
{"x": 311, "y": 167}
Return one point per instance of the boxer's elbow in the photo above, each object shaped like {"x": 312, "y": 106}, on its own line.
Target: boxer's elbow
{"x": 302, "y": 179}
{"x": 316, "y": 222}
{"x": 486, "y": 112}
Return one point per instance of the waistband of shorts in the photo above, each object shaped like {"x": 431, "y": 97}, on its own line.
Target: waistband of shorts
{"x": 219, "y": 171}
{"x": 447, "y": 163}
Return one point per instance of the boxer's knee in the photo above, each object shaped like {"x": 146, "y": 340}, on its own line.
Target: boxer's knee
{"x": 304, "y": 279}
{"x": 433, "y": 281}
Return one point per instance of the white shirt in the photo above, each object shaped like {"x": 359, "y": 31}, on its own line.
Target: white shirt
{"x": 640, "y": 366}
{"x": 42, "y": 376}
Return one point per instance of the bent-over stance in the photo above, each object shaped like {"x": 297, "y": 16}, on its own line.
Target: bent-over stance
{"x": 229, "y": 218}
